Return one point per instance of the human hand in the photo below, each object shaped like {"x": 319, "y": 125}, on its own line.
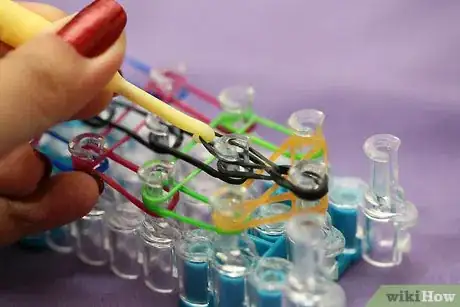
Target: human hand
{"x": 55, "y": 77}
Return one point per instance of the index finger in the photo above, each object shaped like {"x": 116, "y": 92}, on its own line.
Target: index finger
{"x": 54, "y": 14}
{"x": 47, "y": 11}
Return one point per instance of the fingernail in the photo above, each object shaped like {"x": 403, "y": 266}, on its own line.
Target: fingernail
{"x": 99, "y": 181}
{"x": 94, "y": 29}
{"x": 47, "y": 165}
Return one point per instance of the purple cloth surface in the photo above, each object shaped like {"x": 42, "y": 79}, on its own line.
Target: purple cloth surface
{"x": 371, "y": 66}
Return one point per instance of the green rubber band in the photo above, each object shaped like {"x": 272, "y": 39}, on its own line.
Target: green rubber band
{"x": 227, "y": 121}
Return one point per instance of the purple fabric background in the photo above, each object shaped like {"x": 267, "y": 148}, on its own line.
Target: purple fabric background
{"x": 372, "y": 66}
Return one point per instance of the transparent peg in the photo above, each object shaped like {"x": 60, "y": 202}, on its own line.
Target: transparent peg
{"x": 233, "y": 256}
{"x": 232, "y": 148}
{"x": 123, "y": 222}
{"x": 62, "y": 239}
{"x": 385, "y": 216}
{"x": 192, "y": 256}
{"x": 306, "y": 122}
{"x": 192, "y": 207}
{"x": 164, "y": 83}
{"x": 159, "y": 270}
{"x": 237, "y": 99}
{"x": 171, "y": 81}
{"x": 157, "y": 128}
{"x": 55, "y": 147}
{"x": 202, "y": 183}
{"x": 237, "y": 102}
{"x": 91, "y": 237}
{"x": 266, "y": 282}
{"x": 90, "y": 231}
{"x": 155, "y": 175}
{"x": 334, "y": 245}
{"x": 299, "y": 176}
{"x": 271, "y": 232}
{"x": 85, "y": 150}
{"x": 158, "y": 234}
{"x": 306, "y": 284}
{"x": 346, "y": 197}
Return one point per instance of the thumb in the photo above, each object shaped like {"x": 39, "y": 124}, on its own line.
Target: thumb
{"x": 53, "y": 76}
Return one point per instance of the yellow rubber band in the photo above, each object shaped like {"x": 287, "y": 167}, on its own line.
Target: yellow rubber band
{"x": 242, "y": 220}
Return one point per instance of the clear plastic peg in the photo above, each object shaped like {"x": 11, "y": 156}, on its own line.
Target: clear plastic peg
{"x": 85, "y": 150}
{"x": 155, "y": 176}
{"x": 232, "y": 148}
{"x": 271, "y": 232}
{"x": 194, "y": 208}
{"x": 203, "y": 183}
{"x": 67, "y": 130}
{"x": 306, "y": 122}
{"x": 157, "y": 128}
{"x": 346, "y": 197}
{"x": 334, "y": 245}
{"x": 91, "y": 236}
{"x": 385, "y": 216}
{"x": 158, "y": 236}
{"x": 233, "y": 255}
{"x": 237, "y": 102}
{"x": 123, "y": 222}
{"x": 164, "y": 83}
{"x": 237, "y": 99}
{"x": 267, "y": 281}
{"x": 299, "y": 176}
{"x": 158, "y": 132}
{"x": 62, "y": 239}
{"x": 171, "y": 80}
{"x": 193, "y": 252}
{"x": 90, "y": 231}
{"x": 306, "y": 284}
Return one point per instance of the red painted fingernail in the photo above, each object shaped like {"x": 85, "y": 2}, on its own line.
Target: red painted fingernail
{"x": 94, "y": 29}
{"x": 99, "y": 181}
{"x": 47, "y": 165}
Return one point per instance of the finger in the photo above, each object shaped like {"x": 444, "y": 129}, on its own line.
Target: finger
{"x": 102, "y": 100}
{"x": 95, "y": 106}
{"x": 59, "y": 200}
{"x": 50, "y": 79}
{"x": 21, "y": 170}
{"x": 47, "y": 11}
{"x": 4, "y": 49}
